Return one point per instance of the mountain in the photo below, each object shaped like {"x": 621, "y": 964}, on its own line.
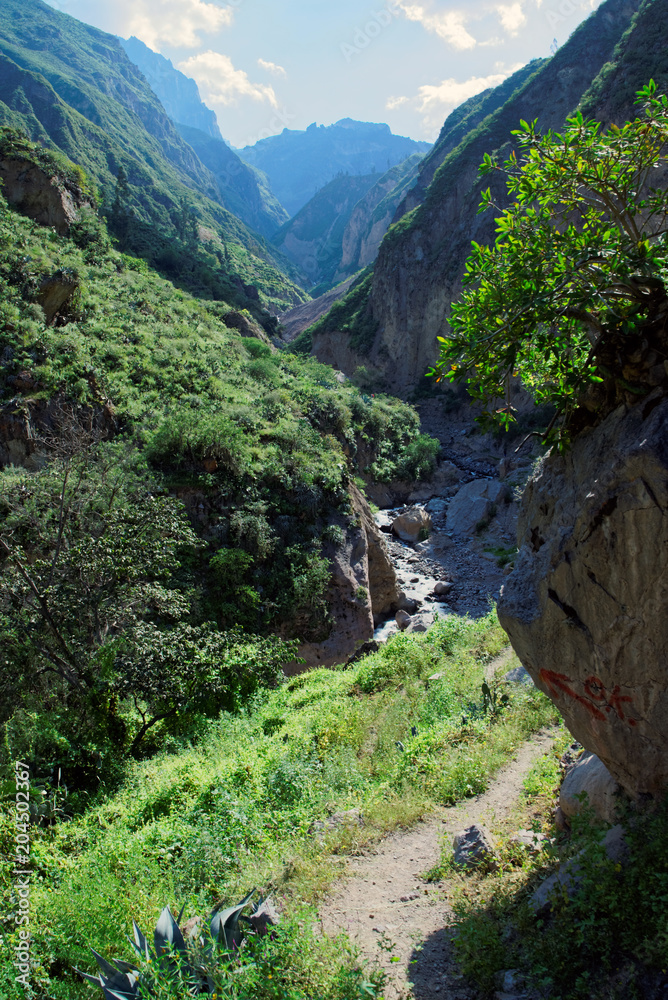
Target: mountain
{"x": 300, "y": 163}
{"x": 244, "y": 191}
{"x": 179, "y": 95}
{"x": 371, "y": 217}
{"x": 391, "y": 318}
{"x": 313, "y": 239}
{"x": 339, "y": 230}
{"x": 72, "y": 88}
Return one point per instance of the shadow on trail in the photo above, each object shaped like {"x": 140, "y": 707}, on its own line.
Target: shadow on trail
{"x": 433, "y": 971}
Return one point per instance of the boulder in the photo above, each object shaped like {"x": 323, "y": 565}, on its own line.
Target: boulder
{"x": 421, "y": 623}
{"x": 412, "y": 525}
{"x": 585, "y": 604}
{"x": 474, "y": 846}
{"x": 474, "y": 504}
{"x": 589, "y": 777}
{"x": 360, "y": 563}
{"x": 265, "y": 916}
{"x": 442, "y": 588}
{"x": 403, "y": 619}
{"x": 56, "y": 291}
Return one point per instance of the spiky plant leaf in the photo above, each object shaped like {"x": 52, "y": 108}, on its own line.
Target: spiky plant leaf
{"x": 168, "y": 934}
{"x": 140, "y": 944}
{"x": 225, "y": 923}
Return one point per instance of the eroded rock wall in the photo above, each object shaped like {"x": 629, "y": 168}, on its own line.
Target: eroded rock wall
{"x": 47, "y": 200}
{"x": 585, "y": 606}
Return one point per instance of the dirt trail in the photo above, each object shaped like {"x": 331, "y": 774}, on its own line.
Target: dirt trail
{"x": 390, "y": 911}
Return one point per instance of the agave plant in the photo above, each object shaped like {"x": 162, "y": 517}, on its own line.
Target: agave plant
{"x": 122, "y": 980}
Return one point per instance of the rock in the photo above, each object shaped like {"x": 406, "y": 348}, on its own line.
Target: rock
{"x": 403, "y": 619}
{"x": 412, "y": 525}
{"x": 442, "y": 588}
{"x": 474, "y": 846}
{"x": 589, "y": 776}
{"x": 264, "y": 917}
{"x": 434, "y": 679}
{"x": 408, "y": 604}
{"x": 56, "y": 291}
{"x": 421, "y": 623}
{"x": 436, "y": 506}
{"x": 567, "y": 879}
{"x": 585, "y": 604}
{"x": 192, "y": 927}
{"x": 530, "y": 840}
{"x": 347, "y": 817}
{"x": 50, "y": 201}
{"x": 364, "y": 650}
{"x": 361, "y": 562}
{"x": 518, "y": 676}
{"x": 474, "y": 504}
{"x": 560, "y": 820}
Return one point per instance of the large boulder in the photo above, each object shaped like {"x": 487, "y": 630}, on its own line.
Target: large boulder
{"x": 413, "y": 525}
{"x": 363, "y": 589}
{"x": 585, "y": 606}
{"x": 473, "y": 505}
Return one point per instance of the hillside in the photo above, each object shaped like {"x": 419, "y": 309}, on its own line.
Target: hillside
{"x": 244, "y": 191}
{"x": 313, "y": 239}
{"x": 394, "y": 318}
{"x": 178, "y": 94}
{"x": 299, "y": 163}
{"x": 71, "y": 87}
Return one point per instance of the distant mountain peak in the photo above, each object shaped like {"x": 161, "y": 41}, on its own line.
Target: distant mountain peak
{"x": 178, "y": 93}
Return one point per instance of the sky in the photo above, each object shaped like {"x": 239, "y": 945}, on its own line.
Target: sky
{"x": 266, "y": 65}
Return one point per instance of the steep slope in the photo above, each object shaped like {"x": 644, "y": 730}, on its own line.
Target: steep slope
{"x": 313, "y": 238}
{"x": 420, "y": 264}
{"x": 299, "y": 163}
{"x": 460, "y": 123}
{"x": 371, "y": 217}
{"x": 245, "y": 190}
{"x": 72, "y": 88}
{"x": 179, "y": 95}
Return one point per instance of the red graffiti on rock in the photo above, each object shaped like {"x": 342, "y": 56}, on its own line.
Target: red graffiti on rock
{"x": 595, "y": 699}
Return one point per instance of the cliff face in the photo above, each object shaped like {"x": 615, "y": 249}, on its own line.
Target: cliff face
{"x": 585, "y": 604}
{"x": 421, "y": 260}
{"x": 50, "y": 201}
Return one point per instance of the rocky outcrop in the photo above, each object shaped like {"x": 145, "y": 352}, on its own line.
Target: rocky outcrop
{"x": 474, "y": 505}
{"x": 50, "y": 201}
{"x": 363, "y": 589}
{"x": 56, "y": 292}
{"x": 585, "y": 606}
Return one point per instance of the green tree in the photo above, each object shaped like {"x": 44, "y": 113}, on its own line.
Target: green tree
{"x": 571, "y": 296}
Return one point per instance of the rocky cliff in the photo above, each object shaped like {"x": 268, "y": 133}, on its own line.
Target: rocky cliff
{"x": 585, "y": 604}
{"x": 421, "y": 260}
{"x": 48, "y": 199}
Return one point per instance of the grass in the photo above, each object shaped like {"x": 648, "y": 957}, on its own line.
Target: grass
{"x": 209, "y": 820}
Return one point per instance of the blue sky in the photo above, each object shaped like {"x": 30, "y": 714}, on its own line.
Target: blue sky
{"x": 263, "y": 65}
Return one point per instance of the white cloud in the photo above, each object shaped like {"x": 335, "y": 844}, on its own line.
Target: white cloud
{"x": 396, "y": 102}
{"x": 448, "y": 25}
{"x": 271, "y": 67}
{"x": 435, "y": 102}
{"x": 220, "y": 83}
{"x": 171, "y": 22}
{"x": 512, "y": 17}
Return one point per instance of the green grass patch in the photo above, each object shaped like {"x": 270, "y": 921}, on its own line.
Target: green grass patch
{"x": 212, "y": 820}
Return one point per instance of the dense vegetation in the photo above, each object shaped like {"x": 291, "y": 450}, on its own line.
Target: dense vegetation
{"x": 81, "y": 95}
{"x": 204, "y": 822}
{"x": 199, "y": 475}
